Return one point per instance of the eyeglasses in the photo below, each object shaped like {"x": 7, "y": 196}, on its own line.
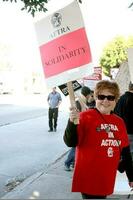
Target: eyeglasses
{"x": 109, "y": 97}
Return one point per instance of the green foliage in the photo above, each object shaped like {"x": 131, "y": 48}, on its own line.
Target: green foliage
{"x": 34, "y": 6}
{"x": 115, "y": 53}
{"x": 131, "y": 5}
{"x": 130, "y": 41}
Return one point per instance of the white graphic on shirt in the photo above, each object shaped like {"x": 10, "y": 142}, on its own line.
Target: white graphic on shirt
{"x": 111, "y": 140}
{"x": 110, "y": 135}
{"x": 110, "y": 152}
{"x": 112, "y": 127}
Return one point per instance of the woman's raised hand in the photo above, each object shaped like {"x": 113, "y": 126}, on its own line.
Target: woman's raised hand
{"x": 74, "y": 115}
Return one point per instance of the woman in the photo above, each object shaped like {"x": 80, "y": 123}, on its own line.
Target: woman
{"x": 100, "y": 139}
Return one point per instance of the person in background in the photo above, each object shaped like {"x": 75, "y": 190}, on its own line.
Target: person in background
{"x": 81, "y": 105}
{"x": 124, "y": 108}
{"x": 91, "y": 101}
{"x": 100, "y": 139}
{"x": 54, "y": 100}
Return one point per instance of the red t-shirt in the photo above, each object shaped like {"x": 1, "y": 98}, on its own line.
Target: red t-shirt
{"x": 98, "y": 152}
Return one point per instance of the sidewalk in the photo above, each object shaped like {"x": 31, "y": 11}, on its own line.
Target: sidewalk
{"x": 55, "y": 183}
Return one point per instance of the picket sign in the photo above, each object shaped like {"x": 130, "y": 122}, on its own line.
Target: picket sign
{"x": 64, "y": 89}
{"x": 64, "y": 47}
{"x": 63, "y": 44}
{"x": 72, "y": 98}
{"x": 71, "y": 94}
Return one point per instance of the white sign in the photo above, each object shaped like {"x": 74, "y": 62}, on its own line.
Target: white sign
{"x": 64, "y": 47}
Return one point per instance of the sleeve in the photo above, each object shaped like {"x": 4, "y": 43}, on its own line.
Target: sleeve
{"x": 70, "y": 135}
{"x": 48, "y": 97}
{"x": 60, "y": 99}
{"x": 127, "y": 162}
{"x": 78, "y": 106}
{"x": 125, "y": 140}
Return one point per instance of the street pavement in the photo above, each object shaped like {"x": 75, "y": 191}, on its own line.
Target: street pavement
{"x": 55, "y": 183}
{"x": 26, "y": 145}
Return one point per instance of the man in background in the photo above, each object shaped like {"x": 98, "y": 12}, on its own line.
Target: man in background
{"x": 54, "y": 100}
{"x": 124, "y": 108}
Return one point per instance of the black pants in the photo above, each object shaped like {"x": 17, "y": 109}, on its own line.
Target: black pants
{"x": 87, "y": 196}
{"x": 53, "y": 115}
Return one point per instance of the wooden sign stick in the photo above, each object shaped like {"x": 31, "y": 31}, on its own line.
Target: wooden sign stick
{"x": 72, "y": 98}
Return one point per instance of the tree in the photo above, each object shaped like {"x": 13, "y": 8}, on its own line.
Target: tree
{"x": 115, "y": 53}
{"x": 34, "y": 6}
{"x": 131, "y": 5}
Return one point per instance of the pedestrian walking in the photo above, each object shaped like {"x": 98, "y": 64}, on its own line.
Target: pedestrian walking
{"x": 124, "y": 108}
{"x": 81, "y": 105}
{"x": 54, "y": 100}
{"x": 101, "y": 140}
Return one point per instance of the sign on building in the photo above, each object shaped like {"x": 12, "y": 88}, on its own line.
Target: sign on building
{"x": 92, "y": 79}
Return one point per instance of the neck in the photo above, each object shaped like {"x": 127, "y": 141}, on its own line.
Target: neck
{"x": 103, "y": 113}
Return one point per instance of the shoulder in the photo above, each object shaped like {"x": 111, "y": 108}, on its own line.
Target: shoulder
{"x": 129, "y": 95}
{"x": 58, "y": 93}
{"x": 121, "y": 100}
{"x": 49, "y": 94}
{"x": 90, "y": 113}
{"x": 122, "y": 97}
{"x": 117, "y": 118}
{"x": 58, "y": 96}
{"x": 119, "y": 122}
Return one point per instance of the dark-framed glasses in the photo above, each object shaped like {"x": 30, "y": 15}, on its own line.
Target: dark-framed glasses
{"x": 109, "y": 97}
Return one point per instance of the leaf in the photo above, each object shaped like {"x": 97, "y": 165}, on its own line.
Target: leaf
{"x": 130, "y": 5}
